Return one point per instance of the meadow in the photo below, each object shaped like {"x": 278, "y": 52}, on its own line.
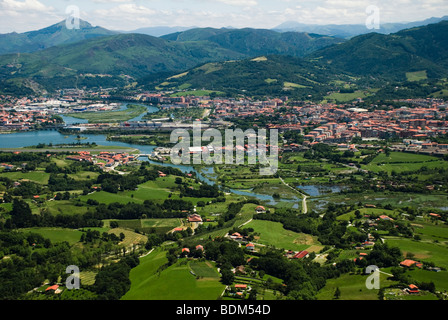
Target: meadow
{"x": 131, "y": 112}
{"x": 401, "y": 161}
{"x": 352, "y": 287}
{"x": 57, "y": 234}
{"x": 421, "y": 250}
{"x": 273, "y": 233}
{"x": 149, "y": 282}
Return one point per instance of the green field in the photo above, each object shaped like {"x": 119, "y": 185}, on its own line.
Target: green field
{"x": 352, "y": 287}
{"x": 173, "y": 283}
{"x": 35, "y": 176}
{"x": 440, "y": 279}
{"x": 204, "y": 269}
{"x": 273, "y": 233}
{"x": 368, "y": 211}
{"x": 416, "y": 76}
{"x": 57, "y": 234}
{"x": 131, "y": 112}
{"x": 346, "y": 97}
{"x": 422, "y": 250}
{"x": 159, "y": 225}
{"x": 401, "y": 161}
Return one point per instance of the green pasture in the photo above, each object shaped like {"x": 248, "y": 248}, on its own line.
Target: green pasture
{"x": 422, "y": 250}
{"x": 148, "y": 282}
{"x": 131, "y": 112}
{"x": 401, "y": 161}
{"x": 56, "y": 234}
{"x": 352, "y": 287}
{"x": 34, "y": 176}
{"x": 273, "y": 233}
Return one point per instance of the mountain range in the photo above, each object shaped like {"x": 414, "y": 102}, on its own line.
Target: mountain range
{"x": 101, "y": 59}
{"x": 351, "y": 30}
{"x": 373, "y": 58}
{"x": 48, "y": 37}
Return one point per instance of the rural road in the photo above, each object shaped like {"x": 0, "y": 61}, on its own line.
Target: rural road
{"x": 304, "y": 205}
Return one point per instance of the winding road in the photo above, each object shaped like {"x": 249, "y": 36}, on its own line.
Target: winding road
{"x": 304, "y": 205}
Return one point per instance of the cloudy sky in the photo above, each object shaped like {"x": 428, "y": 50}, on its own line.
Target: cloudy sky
{"x": 26, "y": 15}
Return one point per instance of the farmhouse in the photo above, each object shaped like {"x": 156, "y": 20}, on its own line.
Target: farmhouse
{"x": 412, "y": 289}
{"x": 409, "y": 263}
{"x": 241, "y": 286}
{"x": 236, "y": 236}
{"x": 55, "y": 288}
{"x": 195, "y": 220}
{"x": 300, "y": 254}
{"x": 250, "y": 247}
{"x": 260, "y": 209}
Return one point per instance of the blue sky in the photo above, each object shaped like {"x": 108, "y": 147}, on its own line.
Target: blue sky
{"x": 25, "y": 15}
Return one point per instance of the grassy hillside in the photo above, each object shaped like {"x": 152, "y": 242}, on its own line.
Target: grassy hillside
{"x": 269, "y": 75}
{"x": 421, "y": 49}
{"x": 109, "y": 58}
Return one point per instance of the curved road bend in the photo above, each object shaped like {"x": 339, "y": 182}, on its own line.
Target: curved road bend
{"x": 304, "y": 205}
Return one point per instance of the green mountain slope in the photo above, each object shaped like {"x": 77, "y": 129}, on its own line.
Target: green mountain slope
{"x": 51, "y": 36}
{"x": 266, "y": 75}
{"x": 392, "y": 56}
{"x": 130, "y": 55}
{"x": 254, "y": 42}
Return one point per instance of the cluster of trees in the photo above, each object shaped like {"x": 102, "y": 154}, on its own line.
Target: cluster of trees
{"x": 382, "y": 255}
{"x": 21, "y": 216}
{"x": 112, "y": 282}
{"x": 26, "y": 267}
{"x": 204, "y": 191}
{"x": 93, "y": 235}
{"x": 114, "y": 183}
{"x": 303, "y": 278}
{"x": 170, "y": 208}
{"x": 327, "y": 229}
{"x": 324, "y": 151}
{"x": 63, "y": 182}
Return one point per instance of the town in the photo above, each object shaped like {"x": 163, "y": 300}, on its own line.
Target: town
{"x": 410, "y": 128}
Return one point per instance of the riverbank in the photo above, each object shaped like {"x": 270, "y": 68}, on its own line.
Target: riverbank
{"x": 93, "y": 149}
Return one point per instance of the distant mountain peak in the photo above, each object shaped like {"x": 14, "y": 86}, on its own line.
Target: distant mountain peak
{"x": 53, "y": 35}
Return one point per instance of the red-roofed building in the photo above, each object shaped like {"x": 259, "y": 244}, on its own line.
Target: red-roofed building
{"x": 300, "y": 254}
{"x": 54, "y": 287}
{"x": 409, "y": 263}
{"x": 412, "y": 289}
{"x": 260, "y": 209}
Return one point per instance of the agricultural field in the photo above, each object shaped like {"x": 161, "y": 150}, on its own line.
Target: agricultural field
{"x": 273, "y": 233}
{"x": 369, "y": 211}
{"x": 352, "y": 287}
{"x": 40, "y": 177}
{"x": 57, "y": 234}
{"x": 400, "y": 161}
{"x": 131, "y": 238}
{"x": 146, "y": 225}
{"x": 416, "y": 76}
{"x": 347, "y": 97}
{"x": 131, "y": 112}
{"x": 149, "y": 282}
{"x": 421, "y": 250}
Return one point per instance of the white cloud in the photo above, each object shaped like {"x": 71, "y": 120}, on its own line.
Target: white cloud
{"x": 240, "y": 3}
{"x": 24, "y": 15}
{"x": 21, "y": 6}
